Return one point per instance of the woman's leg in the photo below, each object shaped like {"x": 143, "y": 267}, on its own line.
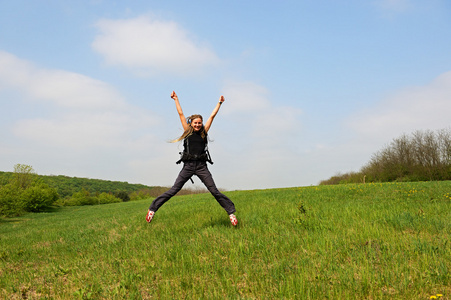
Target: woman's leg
{"x": 205, "y": 176}
{"x": 184, "y": 175}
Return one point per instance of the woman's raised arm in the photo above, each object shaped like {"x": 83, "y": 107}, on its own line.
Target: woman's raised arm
{"x": 213, "y": 114}
{"x": 179, "y": 110}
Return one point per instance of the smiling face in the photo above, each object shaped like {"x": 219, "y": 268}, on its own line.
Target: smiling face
{"x": 196, "y": 124}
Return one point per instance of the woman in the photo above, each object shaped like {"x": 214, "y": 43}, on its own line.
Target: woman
{"x": 194, "y": 157}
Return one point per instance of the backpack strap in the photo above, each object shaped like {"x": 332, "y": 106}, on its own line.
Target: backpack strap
{"x": 182, "y": 156}
{"x": 208, "y": 156}
{"x": 185, "y": 155}
{"x": 207, "y": 152}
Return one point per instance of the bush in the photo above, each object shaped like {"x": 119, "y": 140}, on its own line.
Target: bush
{"x": 142, "y": 194}
{"x": 10, "y": 200}
{"x": 351, "y": 177}
{"x": 24, "y": 193}
{"x": 14, "y": 200}
{"x": 123, "y": 196}
{"x": 85, "y": 198}
{"x": 105, "y": 198}
{"x": 38, "y": 197}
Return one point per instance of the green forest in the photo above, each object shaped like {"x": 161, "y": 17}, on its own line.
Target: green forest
{"x": 24, "y": 191}
{"x": 67, "y": 186}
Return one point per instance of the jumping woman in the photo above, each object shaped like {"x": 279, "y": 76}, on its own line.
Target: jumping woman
{"x": 194, "y": 158}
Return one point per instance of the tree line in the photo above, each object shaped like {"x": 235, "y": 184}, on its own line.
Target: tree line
{"x": 24, "y": 191}
{"x": 420, "y": 156}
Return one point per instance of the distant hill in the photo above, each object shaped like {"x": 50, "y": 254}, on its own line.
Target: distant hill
{"x": 67, "y": 186}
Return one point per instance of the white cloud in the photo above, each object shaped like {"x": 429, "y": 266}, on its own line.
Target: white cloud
{"x": 79, "y": 121}
{"x": 245, "y": 97}
{"x": 249, "y": 105}
{"x": 83, "y": 130}
{"x": 149, "y": 45}
{"x": 278, "y": 121}
{"x": 250, "y": 110}
{"x": 73, "y": 90}
{"x": 414, "y": 108}
{"x": 13, "y": 71}
{"x": 62, "y": 88}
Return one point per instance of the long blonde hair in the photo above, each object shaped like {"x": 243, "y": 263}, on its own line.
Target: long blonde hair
{"x": 189, "y": 131}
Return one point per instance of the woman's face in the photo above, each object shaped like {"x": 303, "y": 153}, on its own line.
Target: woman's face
{"x": 197, "y": 124}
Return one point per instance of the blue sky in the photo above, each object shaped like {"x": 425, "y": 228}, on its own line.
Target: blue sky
{"x": 312, "y": 88}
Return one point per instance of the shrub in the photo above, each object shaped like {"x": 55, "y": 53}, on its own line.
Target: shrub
{"x": 123, "y": 196}
{"x": 82, "y": 198}
{"x": 142, "y": 194}
{"x": 10, "y": 204}
{"x": 351, "y": 177}
{"x": 105, "y": 198}
{"x": 38, "y": 197}
{"x": 85, "y": 198}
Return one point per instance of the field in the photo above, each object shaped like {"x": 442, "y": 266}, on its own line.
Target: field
{"x": 366, "y": 241}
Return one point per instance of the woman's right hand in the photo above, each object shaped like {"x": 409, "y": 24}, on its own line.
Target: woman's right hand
{"x": 174, "y": 96}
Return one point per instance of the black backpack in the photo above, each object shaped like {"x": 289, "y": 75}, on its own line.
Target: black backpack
{"x": 186, "y": 156}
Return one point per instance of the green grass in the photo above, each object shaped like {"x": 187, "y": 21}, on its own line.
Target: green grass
{"x": 372, "y": 241}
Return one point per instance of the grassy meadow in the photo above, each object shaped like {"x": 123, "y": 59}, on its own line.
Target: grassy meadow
{"x": 357, "y": 241}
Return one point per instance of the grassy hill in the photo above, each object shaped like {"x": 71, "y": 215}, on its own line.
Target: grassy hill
{"x": 372, "y": 241}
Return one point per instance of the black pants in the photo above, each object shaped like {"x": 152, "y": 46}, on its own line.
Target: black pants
{"x": 200, "y": 169}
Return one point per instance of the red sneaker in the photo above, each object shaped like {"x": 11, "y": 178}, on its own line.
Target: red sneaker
{"x": 149, "y": 216}
{"x": 233, "y": 219}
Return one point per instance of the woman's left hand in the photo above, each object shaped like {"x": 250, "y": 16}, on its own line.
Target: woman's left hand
{"x": 221, "y": 99}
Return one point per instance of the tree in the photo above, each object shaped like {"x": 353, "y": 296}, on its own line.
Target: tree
{"x": 23, "y": 176}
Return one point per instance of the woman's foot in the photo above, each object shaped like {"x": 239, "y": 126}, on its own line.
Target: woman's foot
{"x": 233, "y": 219}
{"x": 149, "y": 216}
